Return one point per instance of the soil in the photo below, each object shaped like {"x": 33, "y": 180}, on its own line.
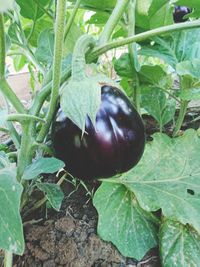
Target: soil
{"x": 69, "y": 238}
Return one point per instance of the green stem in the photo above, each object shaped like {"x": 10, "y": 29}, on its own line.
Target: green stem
{"x": 24, "y": 118}
{"x": 113, "y": 21}
{"x": 25, "y": 153}
{"x": 78, "y": 61}
{"x": 11, "y": 96}
{"x": 181, "y": 116}
{"x": 58, "y": 50}
{"x": 132, "y": 49}
{"x": 2, "y": 48}
{"x": 71, "y": 18}
{"x": 141, "y": 37}
{"x": 103, "y": 49}
{"x": 8, "y": 259}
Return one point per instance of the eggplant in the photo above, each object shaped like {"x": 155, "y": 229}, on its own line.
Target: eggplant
{"x": 112, "y": 146}
{"x": 180, "y": 12}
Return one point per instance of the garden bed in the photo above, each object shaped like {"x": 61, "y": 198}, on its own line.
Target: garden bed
{"x": 69, "y": 237}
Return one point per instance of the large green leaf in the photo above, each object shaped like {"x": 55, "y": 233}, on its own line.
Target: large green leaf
{"x": 11, "y": 229}
{"x": 42, "y": 165}
{"x": 121, "y": 221}
{"x": 154, "y": 100}
{"x": 174, "y": 48}
{"x": 168, "y": 177}
{"x": 53, "y": 193}
{"x": 32, "y": 9}
{"x": 179, "y": 245}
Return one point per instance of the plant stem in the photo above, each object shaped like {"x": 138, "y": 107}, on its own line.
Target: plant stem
{"x": 141, "y": 37}
{"x": 8, "y": 259}
{"x": 132, "y": 50}
{"x": 2, "y": 48}
{"x": 24, "y": 118}
{"x": 103, "y": 49}
{"x": 11, "y": 96}
{"x": 78, "y": 61}
{"x": 181, "y": 116}
{"x": 58, "y": 50}
{"x": 25, "y": 153}
{"x": 113, "y": 20}
{"x": 71, "y": 18}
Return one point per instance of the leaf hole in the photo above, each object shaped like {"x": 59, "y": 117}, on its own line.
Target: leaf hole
{"x": 191, "y": 192}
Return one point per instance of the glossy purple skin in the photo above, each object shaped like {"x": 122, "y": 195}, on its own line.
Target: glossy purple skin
{"x": 114, "y": 147}
{"x": 180, "y": 12}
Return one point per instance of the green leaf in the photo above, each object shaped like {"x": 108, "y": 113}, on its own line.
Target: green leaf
{"x": 19, "y": 62}
{"x": 79, "y": 99}
{"x": 53, "y": 194}
{"x": 174, "y": 48}
{"x": 153, "y": 13}
{"x": 168, "y": 178}
{"x": 45, "y": 50}
{"x": 32, "y": 9}
{"x": 157, "y": 105}
{"x": 154, "y": 75}
{"x": 180, "y": 245}
{"x": 191, "y": 68}
{"x": 190, "y": 94}
{"x": 42, "y": 165}
{"x": 11, "y": 227}
{"x": 123, "y": 67}
{"x": 40, "y": 25}
{"x": 99, "y": 18}
{"x": 121, "y": 221}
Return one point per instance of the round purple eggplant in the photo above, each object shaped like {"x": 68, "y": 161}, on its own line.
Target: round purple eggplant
{"x": 114, "y": 145}
{"x": 180, "y": 12}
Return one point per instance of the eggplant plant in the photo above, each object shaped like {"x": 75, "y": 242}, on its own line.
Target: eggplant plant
{"x": 91, "y": 125}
